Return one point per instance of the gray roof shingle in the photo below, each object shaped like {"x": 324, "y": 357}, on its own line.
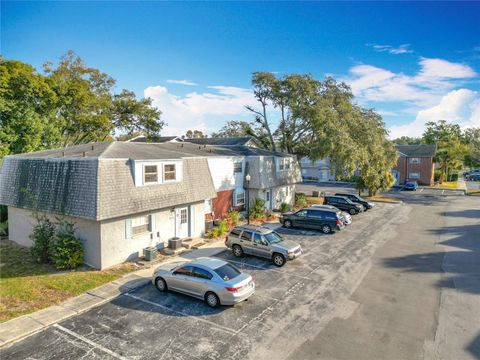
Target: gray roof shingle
{"x": 417, "y": 150}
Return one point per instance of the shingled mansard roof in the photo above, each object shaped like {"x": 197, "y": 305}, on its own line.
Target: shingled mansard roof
{"x": 417, "y": 150}
{"x": 95, "y": 180}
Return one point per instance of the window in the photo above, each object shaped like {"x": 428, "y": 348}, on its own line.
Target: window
{"x": 286, "y": 190}
{"x": 258, "y": 239}
{"x": 208, "y": 206}
{"x": 169, "y": 172}
{"x": 283, "y": 164}
{"x": 246, "y": 235}
{"x": 239, "y": 199}
{"x": 302, "y": 213}
{"x": 227, "y": 272}
{"x": 414, "y": 160}
{"x": 414, "y": 175}
{"x": 184, "y": 270}
{"x": 137, "y": 226}
{"x": 183, "y": 216}
{"x": 235, "y": 232}
{"x": 150, "y": 174}
{"x": 267, "y": 196}
{"x": 273, "y": 238}
{"x": 201, "y": 273}
{"x": 315, "y": 214}
{"x": 237, "y": 167}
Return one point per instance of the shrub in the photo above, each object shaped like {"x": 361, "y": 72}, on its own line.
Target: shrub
{"x": 284, "y": 207}
{"x": 4, "y": 228}
{"x": 300, "y": 200}
{"x": 212, "y": 234}
{"x": 42, "y": 236}
{"x": 234, "y": 217}
{"x": 220, "y": 230}
{"x": 437, "y": 174}
{"x": 269, "y": 214}
{"x": 453, "y": 177}
{"x": 66, "y": 251}
{"x": 258, "y": 209}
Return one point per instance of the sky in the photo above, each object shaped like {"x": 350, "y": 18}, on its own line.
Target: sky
{"x": 412, "y": 61}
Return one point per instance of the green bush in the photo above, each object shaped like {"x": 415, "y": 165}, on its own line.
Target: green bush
{"x": 220, "y": 230}
{"x": 453, "y": 177}
{"x": 300, "y": 200}
{"x": 258, "y": 209}
{"x": 234, "y": 217}
{"x": 284, "y": 207}
{"x": 436, "y": 175}
{"x": 42, "y": 236}
{"x": 4, "y": 228}
{"x": 66, "y": 251}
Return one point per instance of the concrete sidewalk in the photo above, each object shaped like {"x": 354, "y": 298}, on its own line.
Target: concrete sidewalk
{"x": 20, "y": 327}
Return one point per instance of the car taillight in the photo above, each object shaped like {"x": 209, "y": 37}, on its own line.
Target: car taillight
{"x": 338, "y": 222}
{"x": 233, "y": 289}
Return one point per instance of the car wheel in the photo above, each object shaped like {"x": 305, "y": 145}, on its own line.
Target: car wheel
{"x": 237, "y": 250}
{"x": 278, "y": 259}
{"x": 212, "y": 299}
{"x": 352, "y": 211}
{"x": 160, "y": 284}
{"x": 287, "y": 223}
{"x": 326, "y": 229}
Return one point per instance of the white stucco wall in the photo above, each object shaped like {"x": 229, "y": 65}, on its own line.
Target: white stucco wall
{"x": 278, "y": 195}
{"x": 21, "y": 223}
{"x": 116, "y": 248}
{"x": 223, "y": 176}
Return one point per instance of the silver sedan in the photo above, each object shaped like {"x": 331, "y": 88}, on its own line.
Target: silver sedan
{"x": 215, "y": 281}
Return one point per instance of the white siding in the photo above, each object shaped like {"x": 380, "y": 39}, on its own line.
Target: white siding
{"x": 221, "y": 169}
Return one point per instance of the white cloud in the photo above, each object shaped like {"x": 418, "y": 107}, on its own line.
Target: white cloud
{"x": 458, "y": 107}
{"x": 182, "y": 82}
{"x": 402, "y": 49}
{"x": 435, "y": 78}
{"x": 204, "y": 111}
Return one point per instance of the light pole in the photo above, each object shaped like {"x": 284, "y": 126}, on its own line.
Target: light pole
{"x": 247, "y": 179}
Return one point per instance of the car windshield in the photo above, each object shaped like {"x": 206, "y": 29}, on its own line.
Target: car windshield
{"x": 227, "y": 272}
{"x": 273, "y": 238}
{"x": 349, "y": 201}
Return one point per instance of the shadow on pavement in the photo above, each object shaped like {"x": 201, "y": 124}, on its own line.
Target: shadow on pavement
{"x": 474, "y": 347}
{"x": 470, "y": 213}
{"x": 461, "y": 268}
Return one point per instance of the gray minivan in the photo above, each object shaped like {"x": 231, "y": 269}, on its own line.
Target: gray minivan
{"x": 262, "y": 242}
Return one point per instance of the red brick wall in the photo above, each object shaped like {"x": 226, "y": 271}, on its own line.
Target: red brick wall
{"x": 223, "y": 203}
{"x": 425, "y": 168}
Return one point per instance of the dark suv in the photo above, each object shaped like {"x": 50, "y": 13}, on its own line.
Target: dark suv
{"x": 344, "y": 204}
{"x": 359, "y": 200}
{"x": 324, "y": 220}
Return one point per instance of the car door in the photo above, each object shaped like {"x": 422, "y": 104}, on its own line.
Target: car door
{"x": 246, "y": 242}
{"x": 315, "y": 218}
{"x": 342, "y": 204}
{"x": 260, "y": 246}
{"x": 300, "y": 219}
{"x": 180, "y": 278}
{"x": 200, "y": 281}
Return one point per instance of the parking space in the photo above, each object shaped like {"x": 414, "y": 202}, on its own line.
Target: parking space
{"x": 148, "y": 324}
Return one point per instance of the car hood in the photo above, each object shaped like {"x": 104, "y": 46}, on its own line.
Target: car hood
{"x": 286, "y": 245}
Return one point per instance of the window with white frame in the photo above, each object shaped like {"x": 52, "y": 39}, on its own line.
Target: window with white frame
{"x": 237, "y": 167}
{"x": 138, "y": 225}
{"x": 239, "y": 198}
{"x": 208, "y": 206}
{"x": 414, "y": 175}
{"x": 150, "y": 174}
{"x": 414, "y": 160}
{"x": 283, "y": 164}
{"x": 169, "y": 172}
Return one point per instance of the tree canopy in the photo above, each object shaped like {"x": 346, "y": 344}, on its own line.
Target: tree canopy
{"x": 69, "y": 103}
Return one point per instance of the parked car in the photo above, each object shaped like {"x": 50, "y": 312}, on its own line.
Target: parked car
{"x": 411, "y": 185}
{"x": 473, "y": 177}
{"x": 358, "y": 199}
{"x": 213, "y": 280}
{"x": 325, "y": 220}
{"x": 262, "y": 242}
{"x": 344, "y": 204}
{"x": 347, "y": 219}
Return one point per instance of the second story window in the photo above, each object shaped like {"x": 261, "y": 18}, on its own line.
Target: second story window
{"x": 237, "y": 167}
{"x": 150, "y": 174}
{"x": 284, "y": 164}
{"x": 169, "y": 172}
{"x": 414, "y": 160}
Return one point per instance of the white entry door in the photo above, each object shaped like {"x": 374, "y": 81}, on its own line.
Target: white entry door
{"x": 268, "y": 199}
{"x": 181, "y": 222}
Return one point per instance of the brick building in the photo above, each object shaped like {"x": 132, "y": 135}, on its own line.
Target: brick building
{"x": 415, "y": 163}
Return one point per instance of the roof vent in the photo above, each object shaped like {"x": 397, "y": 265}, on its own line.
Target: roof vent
{"x": 181, "y": 145}
{"x": 92, "y": 147}
{"x": 63, "y": 153}
{"x": 84, "y": 154}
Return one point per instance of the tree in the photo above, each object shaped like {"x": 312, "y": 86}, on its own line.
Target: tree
{"x": 194, "y": 134}
{"x": 26, "y": 109}
{"x": 243, "y": 128}
{"x": 471, "y": 138}
{"x": 407, "y": 140}
{"x": 450, "y": 149}
{"x": 69, "y": 104}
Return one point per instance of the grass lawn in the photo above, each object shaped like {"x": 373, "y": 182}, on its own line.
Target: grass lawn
{"x": 26, "y": 286}
{"x": 447, "y": 185}
{"x": 382, "y": 198}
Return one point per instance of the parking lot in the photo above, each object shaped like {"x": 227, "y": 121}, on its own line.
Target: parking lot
{"x": 146, "y": 323}
{"x": 317, "y": 306}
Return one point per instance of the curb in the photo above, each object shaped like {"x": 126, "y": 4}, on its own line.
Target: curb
{"x": 23, "y": 326}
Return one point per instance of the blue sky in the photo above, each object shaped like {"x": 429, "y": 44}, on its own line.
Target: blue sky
{"x": 413, "y": 62}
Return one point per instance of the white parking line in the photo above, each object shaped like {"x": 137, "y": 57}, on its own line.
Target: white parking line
{"x": 266, "y": 268}
{"x": 224, "y": 328}
{"x": 90, "y": 342}
{"x": 421, "y": 190}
